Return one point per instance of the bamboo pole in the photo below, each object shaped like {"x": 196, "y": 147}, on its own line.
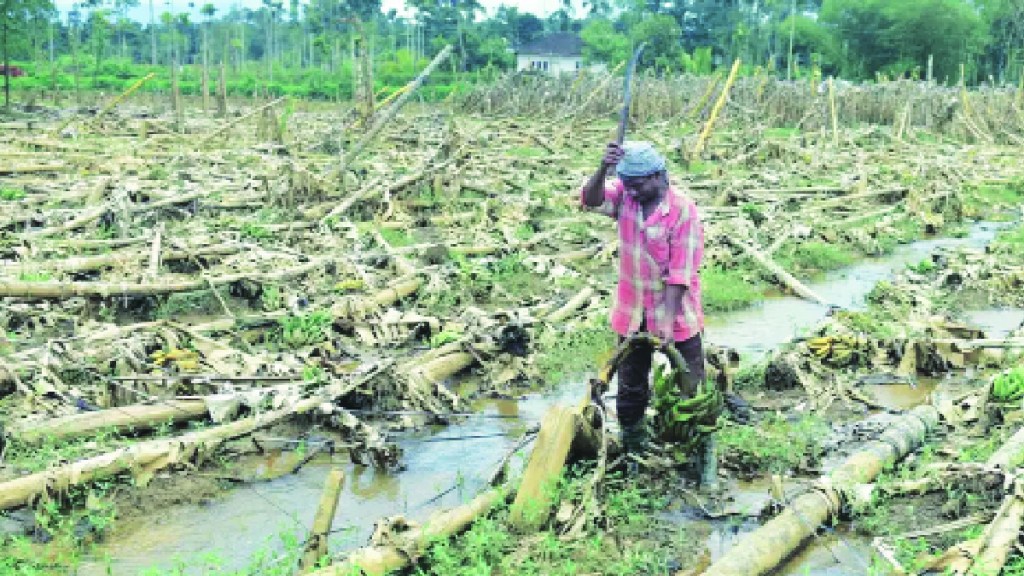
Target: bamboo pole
{"x": 390, "y": 113}
{"x": 762, "y": 550}
{"x": 698, "y": 147}
{"x": 135, "y": 416}
{"x": 316, "y": 546}
{"x": 138, "y": 84}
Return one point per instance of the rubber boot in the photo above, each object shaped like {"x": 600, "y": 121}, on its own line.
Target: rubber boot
{"x": 708, "y": 471}
{"x": 634, "y": 438}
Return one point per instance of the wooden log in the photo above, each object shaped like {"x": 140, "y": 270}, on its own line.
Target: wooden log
{"x": 779, "y": 272}
{"x": 360, "y": 306}
{"x": 1002, "y": 534}
{"x": 534, "y": 499}
{"x": 379, "y": 560}
{"x": 762, "y": 550}
{"x": 136, "y": 417}
{"x": 84, "y": 263}
{"x": 316, "y": 546}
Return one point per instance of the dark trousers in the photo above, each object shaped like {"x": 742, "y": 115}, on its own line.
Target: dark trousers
{"x": 634, "y": 375}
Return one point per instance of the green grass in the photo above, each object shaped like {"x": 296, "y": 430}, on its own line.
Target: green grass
{"x": 527, "y": 152}
{"x": 582, "y": 348}
{"x": 35, "y": 276}
{"x": 725, "y": 290}
{"x": 305, "y": 329}
{"x": 815, "y": 257}
{"x": 781, "y": 132}
{"x": 1010, "y": 241}
{"x": 11, "y": 194}
{"x": 396, "y": 238}
{"x": 491, "y": 547}
{"x": 775, "y": 444}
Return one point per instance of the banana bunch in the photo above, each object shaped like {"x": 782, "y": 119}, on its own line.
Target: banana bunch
{"x": 684, "y": 421}
{"x": 1009, "y": 385}
{"x": 836, "y": 350}
{"x": 183, "y": 360}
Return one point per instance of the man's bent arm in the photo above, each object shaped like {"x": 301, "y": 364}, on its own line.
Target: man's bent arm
{"x": 593, "y": 190}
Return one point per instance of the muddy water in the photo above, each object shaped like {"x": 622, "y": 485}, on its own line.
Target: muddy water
{"x": 447, "y": 466}
{"x": 778, "y": 320}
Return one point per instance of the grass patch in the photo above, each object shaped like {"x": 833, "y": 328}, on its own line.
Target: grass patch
{"x": 725, "y": 290}
{"x": 490, "y": 547}
{"x": 1010, "y": 241}
{"x": 781, "y": 132}
{"x": 581, "y": 348}
{"x": 526, "y": 152}
{"x": 11, "y": 194}
{"x": 815, "y": 257}
{"x": 304, "y": 329}
{"x": 396, "y": 238}
{"x": 35, "y": 276}
{"x": 775, "y": 444}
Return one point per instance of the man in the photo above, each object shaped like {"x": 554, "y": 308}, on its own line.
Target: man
{"x": 661, "y": 243}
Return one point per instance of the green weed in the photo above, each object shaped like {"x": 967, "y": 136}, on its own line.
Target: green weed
{"x": 527, "y": 152}
{"x": 815, "y": 257}
{"x": 271, "y": 298}
{"x": 923, "y": 267}
{"x": 581, "y": 348}
{"x": 725, "y": 290}
{"x": 35, "y": 276}
{"x": 775, "y": 444}
{"x": 255, "y": 231}
{"x": 11, "y": 194}
{"x": 305, "y": 329}
{"x": 396, "y": 238}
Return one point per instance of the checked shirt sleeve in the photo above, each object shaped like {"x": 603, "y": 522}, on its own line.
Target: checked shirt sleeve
{"x": 612, "y": 200}
{"x": 686, "y": 247}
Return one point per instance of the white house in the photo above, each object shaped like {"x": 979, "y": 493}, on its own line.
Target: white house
{"x": 558, "y": 53}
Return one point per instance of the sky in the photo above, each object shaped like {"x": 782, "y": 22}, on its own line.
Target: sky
{"x": 541, "y": 8}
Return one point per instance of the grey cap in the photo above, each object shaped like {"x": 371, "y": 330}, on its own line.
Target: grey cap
{"x": 640, "y": 159}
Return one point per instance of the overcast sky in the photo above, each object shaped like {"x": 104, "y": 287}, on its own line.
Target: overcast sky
{"x": 539, "y": 7}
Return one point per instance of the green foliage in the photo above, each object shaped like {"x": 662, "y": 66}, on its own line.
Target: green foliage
{"x": 724, "y": 290}
{"x": 35, "y": 276}
{"x": 579, "y": 349}
{"x": 444, "y": 337}
{"x": 925, "y": 266}
{"x": 775, "y": 444}
{"x": 601, "y": 43}
{"x": 11, "y": 194}
{"x": 896, "y": 38}
{"x": 1009, "y": 385}
{"x": 814, "y": 257}
{"x": 305, "y": 329}
{"x": 490, "y": 547}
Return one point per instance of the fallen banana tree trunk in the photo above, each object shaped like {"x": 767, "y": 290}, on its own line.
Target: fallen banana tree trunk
{"x": 779, "y": 272}
{"x": 357, "y": 307}
{"x": 381, "y": 559}
{"x": 145, "y": 458}
{"x": 764, "y": 549}
{"x": 137, "y": 417}
{"x": 61, "y": 290}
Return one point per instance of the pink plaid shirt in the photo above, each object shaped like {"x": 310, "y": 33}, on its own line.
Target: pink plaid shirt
{"x": 667, "y": 248}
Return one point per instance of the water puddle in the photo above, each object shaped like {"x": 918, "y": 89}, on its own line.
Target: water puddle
{"x": 902, "y": 396}
{"x": 996, "y": 322}
{"x": 754, "y": 332}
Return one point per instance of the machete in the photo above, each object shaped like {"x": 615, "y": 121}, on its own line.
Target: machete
{"x": 628, "y": 94}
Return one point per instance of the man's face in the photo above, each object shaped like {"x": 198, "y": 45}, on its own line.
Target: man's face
{"x": 643, "y": 188}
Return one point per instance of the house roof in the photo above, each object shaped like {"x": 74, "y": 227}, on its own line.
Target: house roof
{"x": 556, "y": 44}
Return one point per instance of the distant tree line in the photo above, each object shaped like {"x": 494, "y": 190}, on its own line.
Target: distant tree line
{"x": 854, "y": 39}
